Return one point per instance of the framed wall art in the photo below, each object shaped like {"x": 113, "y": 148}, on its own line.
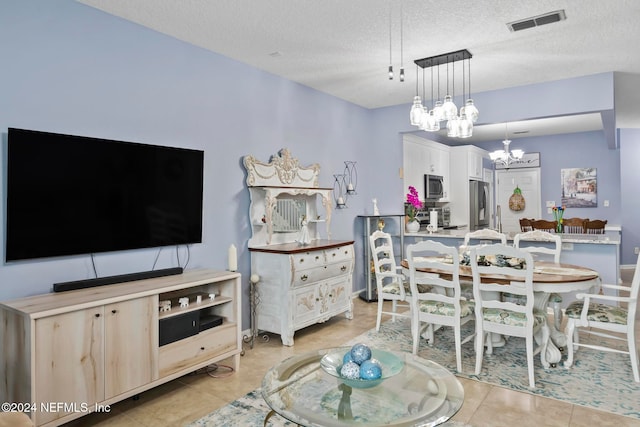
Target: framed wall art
{"x": 579, "y": 188}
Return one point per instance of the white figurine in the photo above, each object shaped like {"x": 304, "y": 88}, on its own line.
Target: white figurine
{"x": 304, "y": 232}
{"x": 165, "y": 305}
{"x": 375, "y": 207}
{"x": 198, "y": 299}
{"x": 212, "y": 297}
{"x": 184, "y": 302}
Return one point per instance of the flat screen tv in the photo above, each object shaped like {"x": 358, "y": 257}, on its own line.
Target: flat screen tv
{"x": 71, "y": 195}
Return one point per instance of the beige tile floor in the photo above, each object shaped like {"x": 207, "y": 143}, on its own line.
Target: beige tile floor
{"x": 191, "y": 397}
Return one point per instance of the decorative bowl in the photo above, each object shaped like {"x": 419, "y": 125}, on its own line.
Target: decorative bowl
{"x": 391, "y": 365}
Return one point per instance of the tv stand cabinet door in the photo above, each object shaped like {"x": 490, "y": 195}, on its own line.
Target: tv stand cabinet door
{"x": 69, "y": 364}
{"x": 131, "y": 345}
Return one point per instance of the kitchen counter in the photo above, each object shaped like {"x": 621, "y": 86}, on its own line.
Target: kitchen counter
{"x": 601, "y": 239}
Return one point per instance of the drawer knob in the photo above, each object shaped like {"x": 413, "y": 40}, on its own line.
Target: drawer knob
{"x": 317, "y": 257}
{"x": 202, "y": 348}
{"x": 333, "y": 254}
{"x": 304, "y": 278}
{"x": 97, "y": 314}
{"x": 301, "y": 259}
{"x": 343, "y": 268}
{"x": 114, "y": 311}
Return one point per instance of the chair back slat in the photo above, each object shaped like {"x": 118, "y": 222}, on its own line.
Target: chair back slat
{"x": 544, "y": 225}
{"x": 574, "y": 225}
{"x": 539, "y": 236}
{"x": 595, "y": 226}
{"x": 485, "y": 234}
{"x": 525, "y": 224}
{"x": 434, "y": 256}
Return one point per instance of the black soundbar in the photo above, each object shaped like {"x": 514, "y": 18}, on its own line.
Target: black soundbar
{"x": 110, "y": 280}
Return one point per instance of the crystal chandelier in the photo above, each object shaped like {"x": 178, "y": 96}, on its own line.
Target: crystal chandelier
{"x": 459, "y": 121}
{"x": 506, "y": 157}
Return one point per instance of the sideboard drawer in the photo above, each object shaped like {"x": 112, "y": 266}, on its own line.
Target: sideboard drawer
{"x": 344, "y": 253}
{"x": 311, "y": 275}
{"x": 190, "y": 351}
{"x": 306, "y": 260}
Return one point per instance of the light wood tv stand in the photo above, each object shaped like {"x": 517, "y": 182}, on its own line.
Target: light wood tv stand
{"x": 89, "y": 348}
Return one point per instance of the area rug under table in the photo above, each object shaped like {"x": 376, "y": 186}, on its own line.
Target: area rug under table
{"x": 251, "y": 410}
{"x": 597, "y": 379}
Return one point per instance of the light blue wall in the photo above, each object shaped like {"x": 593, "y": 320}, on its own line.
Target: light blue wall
{"x": 72, "y": 69}
{"x": 576, "y": 150}
{"x": 629, "y": 188}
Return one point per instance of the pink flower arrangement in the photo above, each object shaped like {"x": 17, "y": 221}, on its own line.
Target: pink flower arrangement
{"x": 414, "y": 203}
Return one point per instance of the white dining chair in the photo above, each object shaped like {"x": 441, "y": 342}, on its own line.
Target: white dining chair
{"x": 485, "y": 234}
{"x": 607, "y": 319}
{"x": 441, "y": 304}
{"x": 475, "y": 237}
{"x": 555, "y": 300}
{"x": 390, "y": 282}
{"x": 493, "y": 315}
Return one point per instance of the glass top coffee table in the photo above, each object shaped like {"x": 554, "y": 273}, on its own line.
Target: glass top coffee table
{"x": 423, "y": 393}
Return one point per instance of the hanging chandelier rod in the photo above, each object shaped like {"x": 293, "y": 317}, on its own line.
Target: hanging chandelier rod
{"x": 445, "y": 58}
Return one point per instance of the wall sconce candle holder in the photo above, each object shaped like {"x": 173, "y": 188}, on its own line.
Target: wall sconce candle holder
{"x": 339, "y": 191}
{"x": 351, "y": 177}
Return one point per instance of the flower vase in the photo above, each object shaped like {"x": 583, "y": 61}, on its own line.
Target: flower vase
{"x": 413, "y": 226}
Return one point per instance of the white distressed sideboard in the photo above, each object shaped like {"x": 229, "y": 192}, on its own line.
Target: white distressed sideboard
{"x": 302, "y": 281}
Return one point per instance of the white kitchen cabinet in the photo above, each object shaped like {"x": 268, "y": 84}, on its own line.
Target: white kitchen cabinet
{"x": 415, "y": 161}
{"x": 301, "y": 283}
{"x": 475, "y": 168}
{"x": 422, "y": 157}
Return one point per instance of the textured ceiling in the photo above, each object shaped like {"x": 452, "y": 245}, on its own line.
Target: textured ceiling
{"x": 342, "y": 47}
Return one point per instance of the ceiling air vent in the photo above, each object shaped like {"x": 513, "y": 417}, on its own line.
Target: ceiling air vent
{"x": 536, "y": 21}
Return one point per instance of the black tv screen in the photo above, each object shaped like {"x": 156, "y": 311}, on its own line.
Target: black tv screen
{"x": 69, "y": 195}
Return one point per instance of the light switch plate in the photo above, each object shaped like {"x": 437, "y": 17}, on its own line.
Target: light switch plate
{"x": 606, "y": 203}
{"x": 550, "y": 203}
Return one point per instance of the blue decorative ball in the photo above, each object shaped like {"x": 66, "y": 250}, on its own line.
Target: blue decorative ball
{"x": 370, "y": 370}
{"x": 347, "y": 357}
{"x": 360, "y": 353}
{"x": 350, "y": 370}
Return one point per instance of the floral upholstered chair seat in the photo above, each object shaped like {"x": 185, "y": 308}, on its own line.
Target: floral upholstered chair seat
{"x": 445, "y": 309}
{"x": 506, "y": 317}
{"x": 394, "y": 288}
{"x": 598, "y": 312}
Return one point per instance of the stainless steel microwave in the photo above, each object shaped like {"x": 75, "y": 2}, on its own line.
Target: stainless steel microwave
{"x": 433, "y": 187}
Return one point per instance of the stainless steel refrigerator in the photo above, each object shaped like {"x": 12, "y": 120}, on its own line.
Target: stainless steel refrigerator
{"x": 479, "y": 205}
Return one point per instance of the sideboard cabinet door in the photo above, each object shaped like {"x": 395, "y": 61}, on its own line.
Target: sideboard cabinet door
{"x": 69, "y": 364}
{"x": 130, "y": 352}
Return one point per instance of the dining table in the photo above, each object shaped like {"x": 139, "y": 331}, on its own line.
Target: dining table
{"x": 548, "y": 278}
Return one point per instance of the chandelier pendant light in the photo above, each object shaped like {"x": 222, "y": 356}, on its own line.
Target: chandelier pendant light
{"x": 459, "y": 121}
{"x": 390, "y": 49}
{"x": 390, "y": 69}
{"x": 506, "y": 157}
{"x": 417, "y": 110}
